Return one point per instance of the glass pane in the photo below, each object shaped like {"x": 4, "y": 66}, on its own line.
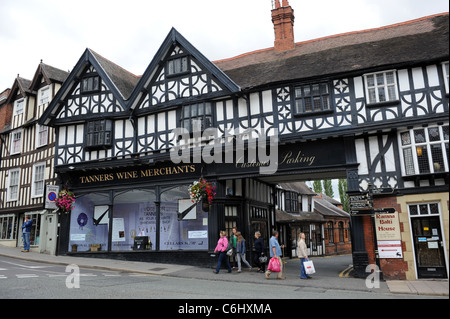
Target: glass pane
{"x": 413, "y": 210}
{"x": 406, "y": 138}
{"x": 380, "y": 79}
{"x": 422, "y": 159}
{"x": 423, "y": 209}
{"x": 372, "y": 96}
{"x": 308, "y": 104}
{"x": 306, "y": 91}
{"x": 390, "y": 77}
{"x": 381, "y": 95}
{"x": 409, "y": 163}
{"x": 299, "y": 105}
{"x": 433, "y": 134}
{"x": 434, "y": 209}
{"x": 419, "y": 136}
{"x": 445, "y": 131}
{"x": 316, "y": 89}
{"x": 438, "y": 158}
{"x": 370, "y": 80}
{"x": 298, "y": 92}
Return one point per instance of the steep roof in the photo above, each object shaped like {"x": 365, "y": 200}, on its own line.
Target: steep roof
{"x": 403, "y": 43}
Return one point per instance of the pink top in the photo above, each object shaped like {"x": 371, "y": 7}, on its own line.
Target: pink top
{"x": 222, "y": 244}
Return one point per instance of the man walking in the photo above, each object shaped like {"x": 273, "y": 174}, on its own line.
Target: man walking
{"x": 26, "y": 231}
{"x": 275, "y": 251}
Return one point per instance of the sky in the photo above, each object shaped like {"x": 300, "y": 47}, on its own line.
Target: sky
{"x": 130, "y": 32}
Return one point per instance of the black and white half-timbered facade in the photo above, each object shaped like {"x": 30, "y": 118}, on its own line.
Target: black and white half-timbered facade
{"x": 27, "y": 160}
{"x": 370, "y": 106}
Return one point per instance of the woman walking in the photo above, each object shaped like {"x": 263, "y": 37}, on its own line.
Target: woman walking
{"x": 259, "y": 251}
{"x": 240, "y": 251}
{"x": 221, "y": 248}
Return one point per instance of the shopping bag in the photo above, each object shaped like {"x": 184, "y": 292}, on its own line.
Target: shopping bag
{"x": 309, "y": 267}
{"x": 274, "y": 265}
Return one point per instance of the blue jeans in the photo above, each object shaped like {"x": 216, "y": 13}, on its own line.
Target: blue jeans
{"x": 26, "y": 241}
{"x": 222, "y": 256}
{"x": 303, "y": 274}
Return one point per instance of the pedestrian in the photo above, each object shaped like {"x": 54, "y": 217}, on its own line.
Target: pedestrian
{"x": 26, "y": 231}
{"x": 221, "y": 248}
{"x": 233, "y": 239}
{"x": 259, "y": 251}
{"x": 240, "y": 251}
{"x": 302, "y": 253}
{"x": 275, "y": 251}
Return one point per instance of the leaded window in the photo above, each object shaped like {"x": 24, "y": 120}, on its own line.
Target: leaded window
{"x": 312, "y": 98}
{"x": 425, "y": 150}
{"x": 99, "y": 134}
{"x": 381, "y": 87}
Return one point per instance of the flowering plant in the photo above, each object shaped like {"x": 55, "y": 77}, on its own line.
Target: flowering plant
{"x": 65, "y": 201}
{"x": 201, "y": 189}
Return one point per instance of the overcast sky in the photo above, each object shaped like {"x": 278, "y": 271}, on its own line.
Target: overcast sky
{"x": 130, "y": 32}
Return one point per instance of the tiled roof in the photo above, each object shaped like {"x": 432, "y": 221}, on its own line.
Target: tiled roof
{"x": 409, "y": 42}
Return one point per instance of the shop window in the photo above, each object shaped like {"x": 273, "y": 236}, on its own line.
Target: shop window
{"x": 8, "y": 227}
{"x": 425, "y": 150}
{"x": 312, "y": 98}
{"x": 35, "y": 229}
{"x": 231, "y": 219}
{"x": 85, "y": 234}
{"x": 381, "y": 87}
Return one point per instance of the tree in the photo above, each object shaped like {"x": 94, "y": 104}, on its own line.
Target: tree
{"x": 317, "y": 186}
{"x": 328, "y": 188}
{"x": 342, "y": 186}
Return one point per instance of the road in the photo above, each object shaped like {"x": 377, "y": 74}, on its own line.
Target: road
{"x": 22, "y": 279}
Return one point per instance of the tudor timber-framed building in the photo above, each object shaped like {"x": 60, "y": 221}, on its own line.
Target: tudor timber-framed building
{"x": 27, "y": 160}
{"x": 370, "y": 106}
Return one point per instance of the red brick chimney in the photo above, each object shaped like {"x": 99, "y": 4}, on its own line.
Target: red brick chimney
{"x": 283, "y": 23}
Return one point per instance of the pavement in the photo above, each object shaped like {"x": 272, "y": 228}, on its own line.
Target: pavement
{"x": 332, "y": 273}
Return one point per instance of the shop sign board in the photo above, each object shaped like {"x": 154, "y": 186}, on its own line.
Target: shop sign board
{"x": 390, "y": 249}
{"x": 387, "y": 226}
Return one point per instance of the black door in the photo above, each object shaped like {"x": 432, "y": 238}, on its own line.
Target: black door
{"x": 428, "y": 246}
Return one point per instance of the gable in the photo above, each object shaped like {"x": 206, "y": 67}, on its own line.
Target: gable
{"x": 178, "y": 73}
{"x": 91, "y": 96}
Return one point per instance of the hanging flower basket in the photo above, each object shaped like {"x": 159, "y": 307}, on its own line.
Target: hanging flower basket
{"x": 65, "y": 201}
{"x": 202, "y": 191}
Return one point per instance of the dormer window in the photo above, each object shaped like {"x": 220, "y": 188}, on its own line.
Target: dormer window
{"x": 19, "y": 107}
{"x": 90, "y": 84}
{"x": 178, "y": 66}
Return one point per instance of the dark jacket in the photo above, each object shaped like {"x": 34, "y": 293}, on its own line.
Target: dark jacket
{"x": 259, "y": 245}
{"x": 26, "y": 227}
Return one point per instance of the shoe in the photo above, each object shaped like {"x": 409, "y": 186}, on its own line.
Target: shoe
{"x": 26, "y": 251}
{"x": 216, "y": 272}
{"x": 267, "y": 276}
{"x": 281, "y": 278}
{"x": 309, "y": 277}
{"x": 238, "y": 271}
{"x": 229, "y": 271}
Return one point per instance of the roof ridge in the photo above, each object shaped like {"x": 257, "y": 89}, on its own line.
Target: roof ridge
{"x": 336, "y": 35}
{"x": 112, "y": 62}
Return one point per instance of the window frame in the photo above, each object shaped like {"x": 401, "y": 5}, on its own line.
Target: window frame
{"x": 13, "y": 150}
{"x": 304, "y": 96}
{"x": 6, "y": 220}
{"x": 21, "y": 110}
{"x": 90, "y": 89}
{"x": 105, "y": 133}
{"x": 9, "y": 197}
{"x": 445, "y": 73}
{"x": 43, "y": 99}
{"x": 411, "y": 164}
{"x": 171, "y": 67}
{"x": 204, "y": 117}
{"x": 40, "y": 130}
{"x": 377, "y": 87}
{"x": 34, "y": 181}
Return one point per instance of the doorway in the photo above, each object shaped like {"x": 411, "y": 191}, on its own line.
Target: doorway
{"x": 428, "y": 241}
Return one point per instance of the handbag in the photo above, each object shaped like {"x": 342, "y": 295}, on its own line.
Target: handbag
{"x": 263, "y": 259}
{"x": 274, "y": 265}
{"x": 309, "y": 267}
{"x": 229, "y": 249}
